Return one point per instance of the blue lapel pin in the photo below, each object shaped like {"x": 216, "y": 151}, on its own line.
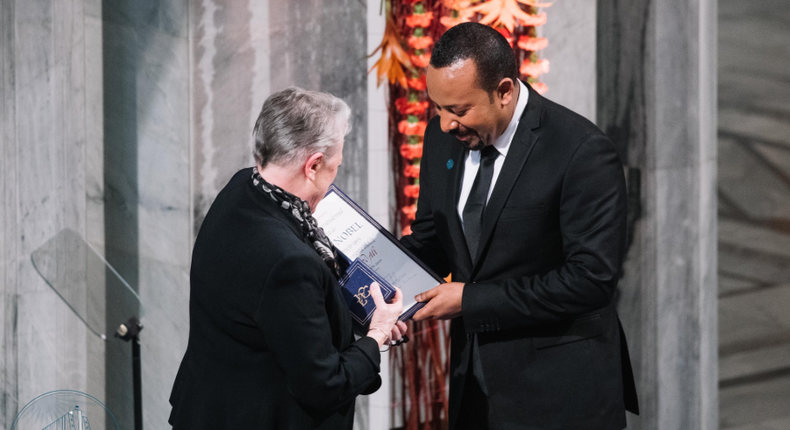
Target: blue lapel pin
{"x": 450, "y": 164}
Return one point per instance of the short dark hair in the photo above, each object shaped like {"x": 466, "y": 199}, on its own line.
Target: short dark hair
{"x": 489, "y": 50}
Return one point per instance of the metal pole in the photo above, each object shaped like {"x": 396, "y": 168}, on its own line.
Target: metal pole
{"x": 130, "y": 331}
{"x": 138, "y": 385}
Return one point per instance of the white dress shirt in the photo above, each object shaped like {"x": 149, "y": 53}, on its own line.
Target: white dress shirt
{"x": 502, "y": 144}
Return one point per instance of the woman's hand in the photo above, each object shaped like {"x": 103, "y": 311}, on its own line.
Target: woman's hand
{"x": 384, "y": 325}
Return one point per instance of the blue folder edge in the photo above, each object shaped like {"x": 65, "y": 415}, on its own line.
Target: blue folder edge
{"x": 413, "y": 310}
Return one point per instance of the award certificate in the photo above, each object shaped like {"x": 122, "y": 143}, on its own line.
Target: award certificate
{"x": 359, "y": 237}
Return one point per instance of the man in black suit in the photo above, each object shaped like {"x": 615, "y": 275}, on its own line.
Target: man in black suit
{"x": 524, "y": 203}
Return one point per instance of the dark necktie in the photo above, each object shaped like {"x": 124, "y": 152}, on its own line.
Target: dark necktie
{"x": 475, "y": 205}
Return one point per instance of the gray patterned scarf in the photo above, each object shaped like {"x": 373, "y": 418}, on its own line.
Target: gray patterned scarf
{"x": 300, "y": 210}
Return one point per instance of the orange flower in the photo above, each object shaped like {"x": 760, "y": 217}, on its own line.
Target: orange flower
{"x": 458, "y": 13}
{"x": 533, "y": 20}
{"x": 420, "y": 42}
{"x": 406, "y": 231}
{"x": 410, "y": 212}
{"x": 505, "y": 12}
{"x": 417, "y": 84}
{"x": 413, "y": 128}
{"x": 406, "y": 107}
{"x": 419, "y": 20}
{"x": 534, "y": 69}
{"x": 410, "y": 152}
{"x": 393, "y": 58}
{"x": 421, "y": 60}
{"x": 540, "y": 87}
{"x": 411, "y": 191}
{"x": 411, "y": 171}
{"x": 532, "y": 43}
{"x": 451, "y": 22}
{"x": 456, "y": 4}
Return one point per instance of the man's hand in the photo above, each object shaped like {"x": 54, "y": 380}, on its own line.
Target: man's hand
{"x": 444, "y": 302}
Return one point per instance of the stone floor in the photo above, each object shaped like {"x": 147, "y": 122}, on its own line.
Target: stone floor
{"x": 754, "y": 210}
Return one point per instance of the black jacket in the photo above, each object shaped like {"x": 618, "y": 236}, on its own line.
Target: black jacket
{"x": 539, "y": 296}
{"x": 270, "y": 339}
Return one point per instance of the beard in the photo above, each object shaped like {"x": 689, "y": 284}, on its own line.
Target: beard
{"x": 475, "y": 143}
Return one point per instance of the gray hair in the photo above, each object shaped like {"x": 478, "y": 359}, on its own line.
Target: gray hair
{"x": 296, "y": 123}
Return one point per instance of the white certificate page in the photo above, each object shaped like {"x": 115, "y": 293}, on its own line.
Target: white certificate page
{"x": 357, "y": 235}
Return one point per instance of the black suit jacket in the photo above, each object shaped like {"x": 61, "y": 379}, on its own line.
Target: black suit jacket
{"x": 538, "y": 295}
{"x": 270, "y": 339}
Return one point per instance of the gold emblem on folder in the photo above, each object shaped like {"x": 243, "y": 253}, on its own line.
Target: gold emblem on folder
{"x": 362, "y": 295}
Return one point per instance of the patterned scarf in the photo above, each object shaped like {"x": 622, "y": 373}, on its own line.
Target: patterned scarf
{"x": 300, "y": 210}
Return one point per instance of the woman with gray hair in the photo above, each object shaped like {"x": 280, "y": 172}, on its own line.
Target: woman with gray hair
{"x": 270, "y": 341}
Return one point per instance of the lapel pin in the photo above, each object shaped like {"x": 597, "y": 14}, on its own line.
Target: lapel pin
{"x": 450, "y": 164}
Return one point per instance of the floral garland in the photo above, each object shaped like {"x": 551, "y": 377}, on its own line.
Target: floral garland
{"x": 421, "y": 366}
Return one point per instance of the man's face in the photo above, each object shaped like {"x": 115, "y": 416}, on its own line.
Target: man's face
{"x": 465, "y": 109}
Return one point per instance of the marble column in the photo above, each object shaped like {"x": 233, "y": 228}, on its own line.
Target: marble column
{"x": 570, "y": 29}
{"x": 43, "y": 345}
{"x": 230, "y": 71}
{"x": 657, "y": 100}
{"x": 8, "y": 217}
{"x": 146, "y": 185}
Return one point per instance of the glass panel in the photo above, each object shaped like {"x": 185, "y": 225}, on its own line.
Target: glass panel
{"x": 87, "y": 283}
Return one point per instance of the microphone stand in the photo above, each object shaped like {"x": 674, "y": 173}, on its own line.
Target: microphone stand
{"x": 130, "y": 331}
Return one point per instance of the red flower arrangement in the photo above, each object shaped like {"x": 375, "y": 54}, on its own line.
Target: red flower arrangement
{"x": 406, "y": 107}
{"x": 452, "y": 21}
{"x": 540, "y": 87}
{"x": 419, "y": 20}
{"x": 528, "y": 43}
{"x": 411, "y": 171}
{"x": 534, "y": 69}
{"x": 411, "y": 191}
{"x": 422, "y": 60}
{"x": 417, "y": 84}
{"x": 506, "y": 33}
{"x": 533, "y": 20}
{"x": 410, "y": 152}
{"x": 409, "y": 212}
{"x": 421, "y": 42}
{"x": 414, "y": 128}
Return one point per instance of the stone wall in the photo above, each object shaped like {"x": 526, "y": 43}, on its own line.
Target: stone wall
{"x": 43, "y": 346}
{"x": 657, "y": 101}
{"x": 122, "y": 121}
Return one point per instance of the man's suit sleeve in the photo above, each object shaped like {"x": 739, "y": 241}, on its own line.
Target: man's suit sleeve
{"x": 424, "y": 241}
{"x": 592, "y": 215}
{"x": 295, "y": 326}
